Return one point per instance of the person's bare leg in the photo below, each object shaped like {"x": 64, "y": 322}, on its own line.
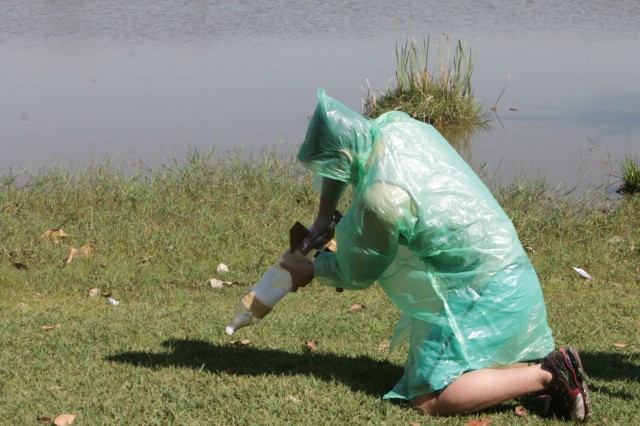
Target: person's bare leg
{"x": 480, "y": 389}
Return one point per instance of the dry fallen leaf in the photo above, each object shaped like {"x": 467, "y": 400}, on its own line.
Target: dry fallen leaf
{"x": 94, "y": 292}
{"x": 222, "y": 268}
{"x": 44, "y": 419}
{"x": 73, "y": 252}
{"x": 522, "y": 411}
{"x": 87, "y": 250}
{"x": 243, "y": 342}
{"x": 147, "y": 259}
{"x": 64, "y": 419}
{"x": 293, "y": 399}
{"x": 311, "y": 345}
{"x": 84, "y": 251}
{"x": 621, "y": 345}
{"x": 51, "y": 327}
{"x": 357, "y": 307}
{"x": 384, "y": 346}
{"x": 54, "y": 235}
{"x": 480, "y": 422}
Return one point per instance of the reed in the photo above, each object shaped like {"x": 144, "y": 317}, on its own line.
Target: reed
{"x": 442, "y": 95}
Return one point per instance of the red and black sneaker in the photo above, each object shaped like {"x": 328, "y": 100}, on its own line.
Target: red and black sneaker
{"x": 568, "y": 393}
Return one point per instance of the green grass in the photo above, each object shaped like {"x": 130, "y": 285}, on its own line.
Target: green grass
{"x": 630, "y": 167}
{"x": 440, "y": 96}
{"x": 161, "y": 356}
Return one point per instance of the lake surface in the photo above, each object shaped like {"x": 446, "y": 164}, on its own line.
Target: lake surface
{"x": 144, "y": 82}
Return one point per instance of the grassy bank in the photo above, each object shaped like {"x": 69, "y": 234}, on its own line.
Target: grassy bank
{"x": 161, "y": 355}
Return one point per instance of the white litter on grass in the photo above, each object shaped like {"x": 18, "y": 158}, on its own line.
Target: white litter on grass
{"x": 216, "y": 283}
{"x": 222, "y": 268}
{"x": 113, "y": 302}
{"x": 582, "y": 273}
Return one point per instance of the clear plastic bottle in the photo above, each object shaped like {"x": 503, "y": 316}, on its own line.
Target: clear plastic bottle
{"x": 272, "y": 287}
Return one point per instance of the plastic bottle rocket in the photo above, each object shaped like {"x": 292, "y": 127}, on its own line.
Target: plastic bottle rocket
{"x": 276, "y": 282}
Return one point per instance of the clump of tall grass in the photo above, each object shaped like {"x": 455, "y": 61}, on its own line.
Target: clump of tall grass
{"x": 439, "y": 96}
{"x": 630, "y": 167}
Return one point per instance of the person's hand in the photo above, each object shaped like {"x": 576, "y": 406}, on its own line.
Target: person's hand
{"x": 301, "y": 273}
{"x": 319, "y": 233}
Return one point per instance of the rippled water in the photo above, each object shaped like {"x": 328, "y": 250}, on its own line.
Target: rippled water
{"x": 149, "y": 80}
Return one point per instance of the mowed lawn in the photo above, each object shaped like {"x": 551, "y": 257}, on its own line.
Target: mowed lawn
{"x": 151, "y": 242}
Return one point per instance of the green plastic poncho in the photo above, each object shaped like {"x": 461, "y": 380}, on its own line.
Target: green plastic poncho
{"x": 425, "y": 227}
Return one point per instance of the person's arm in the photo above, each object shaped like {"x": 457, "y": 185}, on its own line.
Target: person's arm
{"x": 367, "y": 239}
{"x": 330, "y": 195}
{"x": 302, "y": 273}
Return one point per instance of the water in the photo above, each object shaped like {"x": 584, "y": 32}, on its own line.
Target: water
{"x": 146, "y": 81}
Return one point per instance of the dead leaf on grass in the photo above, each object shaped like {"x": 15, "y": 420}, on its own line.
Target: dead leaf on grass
{"x": 384, "y": 346}
{"x": 356, "y": 307}
{"x": 73, "y": 252}
{"x": 51, "y": 327}
{"x": 54, "y": 235}
{"x": 94, "y": 292}
{"x": 146, "y": 259}
{"x": 621, "y": 345}
{"x": 243, "y": 342}
{"x": 480, "y": 422}
{"x": 44, "y": 419}
{"x": 311, "y": 345}
{"x": 87, "y": 250}
{"x": 522, "y": 411}
{"x": 64, "y": 419}
{"x": 84, "y": 251}
{"x": 292, "y": 399}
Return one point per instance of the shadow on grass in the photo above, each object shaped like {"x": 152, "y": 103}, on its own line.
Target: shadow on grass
{"x": 359, "y": 373}
{"x": 609, "y": 366}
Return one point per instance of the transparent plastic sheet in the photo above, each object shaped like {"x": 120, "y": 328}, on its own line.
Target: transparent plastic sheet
{"x": 426, "y": 228}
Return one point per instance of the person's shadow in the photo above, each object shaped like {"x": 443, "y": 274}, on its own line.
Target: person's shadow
{"x": 608, "y": 366}
{"x": 359, "y": 373}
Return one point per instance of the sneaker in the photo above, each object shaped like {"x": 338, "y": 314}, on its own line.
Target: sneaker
{"x": 568, "y": 395}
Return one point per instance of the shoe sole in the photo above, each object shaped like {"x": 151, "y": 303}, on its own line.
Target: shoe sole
{"x": 582, "y": 380}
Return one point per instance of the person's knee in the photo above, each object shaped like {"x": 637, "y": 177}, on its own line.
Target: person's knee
{"x": 425, "y": 404}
